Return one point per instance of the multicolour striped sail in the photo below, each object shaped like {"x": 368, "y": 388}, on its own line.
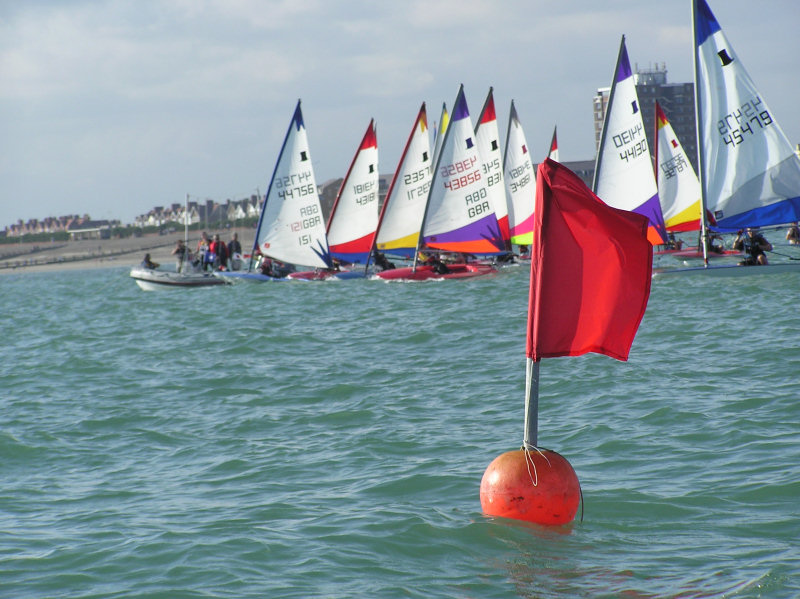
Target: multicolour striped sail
{"x": 354, "y": 216}
{"x": 520, "y": 180}
{"x": 404, "y": 206}
{"x": 553, "y": 153}
{"x": 438, "y": 134}
{"x": 623, "y": 176}
{"x": 459, "y": 216}
{"x": 678, "y": 185}
{"x": 291, "y": 228}
{"x": 488, "y": 138}
{"x": 750, "y": 175}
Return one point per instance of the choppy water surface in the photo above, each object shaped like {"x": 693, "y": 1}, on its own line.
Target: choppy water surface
{"x": 328, "y": 439}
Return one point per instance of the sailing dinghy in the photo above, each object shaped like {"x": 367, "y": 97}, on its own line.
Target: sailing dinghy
{"x": 291, "y": 229}
{"x": 354, "y": 216}
{"x": 520, "y": 182}
{"x": 459, "y": 217}
{"x": 488, "y": 139}
{"x": 400, "y": 219}
{"x": 678, "y": 190}
{"x": 749, "y": 173}
{"x": 623, "y": 176}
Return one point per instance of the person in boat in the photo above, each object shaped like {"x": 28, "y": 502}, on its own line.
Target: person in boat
{"x": 435, "y": 263}
{"x": 463, "y": 258}
{"x": 711, "y": 246}
{"x": 524, "y": 252}
{"x": 218, "y": 253}
{"x": 234, "y": 252}
{"x": 382, "y": 262}
{"x": 793, "y": 234}
{"x": 754, "y": 245}
{"x": 201, "y": 251}
{"x": 148, "y": 263}
{"x": 672, "y": 243}
{"x": 265, "y": 266}
{"x": 181, "y": 253}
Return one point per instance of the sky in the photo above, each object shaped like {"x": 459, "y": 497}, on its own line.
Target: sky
{"x": 111, "y": 107}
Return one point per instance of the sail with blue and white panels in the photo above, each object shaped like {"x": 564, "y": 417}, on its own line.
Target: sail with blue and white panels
{"x": 624, "y": 176}
{"x": 749, "y": 171}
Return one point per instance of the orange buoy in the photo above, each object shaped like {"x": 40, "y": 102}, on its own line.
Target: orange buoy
{"x": 536, "y": 485}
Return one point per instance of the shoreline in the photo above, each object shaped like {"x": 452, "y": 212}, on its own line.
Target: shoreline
{"x": 37, "y": 257}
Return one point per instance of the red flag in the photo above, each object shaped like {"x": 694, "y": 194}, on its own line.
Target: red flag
{"x": 590, "y": 270}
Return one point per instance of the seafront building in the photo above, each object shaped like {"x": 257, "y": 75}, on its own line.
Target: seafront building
{"x": 676, "y": 99}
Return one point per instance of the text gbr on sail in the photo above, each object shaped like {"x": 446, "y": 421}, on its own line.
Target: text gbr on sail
{"x": 311, "y": 218}
{"x": 477, "y": 203}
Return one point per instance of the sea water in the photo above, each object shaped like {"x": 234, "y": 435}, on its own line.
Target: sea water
{"x": 328, "y": 440}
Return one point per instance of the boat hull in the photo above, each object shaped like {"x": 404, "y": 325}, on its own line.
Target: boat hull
{"x": 425, "y": 272}
{"x": 728, "y": 270}
{"x": 151, "y": 280}
{"x": 324, "y": 275}
{"x": 240, "y": 276}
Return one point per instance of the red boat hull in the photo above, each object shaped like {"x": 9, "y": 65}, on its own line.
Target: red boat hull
{"x": 424, "y": 272}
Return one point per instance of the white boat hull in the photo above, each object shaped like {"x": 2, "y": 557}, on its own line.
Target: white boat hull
{"x": 151, "y": 280}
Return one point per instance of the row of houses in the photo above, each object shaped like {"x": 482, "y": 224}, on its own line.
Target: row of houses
{"x": 231, "y": 211}
{"x": 208, "y": 211}
{"x": 78, "y": 227}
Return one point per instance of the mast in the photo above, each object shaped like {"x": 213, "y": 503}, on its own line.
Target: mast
{"x": 185, "y": 232}
{"x": 701, "y": 171}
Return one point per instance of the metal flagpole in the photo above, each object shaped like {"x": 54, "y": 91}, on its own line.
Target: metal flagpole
{"x": 531, "y": 403}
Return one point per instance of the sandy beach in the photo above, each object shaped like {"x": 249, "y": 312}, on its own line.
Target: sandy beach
{"x": 27, "y": 257}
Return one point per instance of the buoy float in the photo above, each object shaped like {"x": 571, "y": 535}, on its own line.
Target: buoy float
{"x": 535, "y": 485}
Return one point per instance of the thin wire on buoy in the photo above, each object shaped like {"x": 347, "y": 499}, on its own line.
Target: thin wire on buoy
{"x": 529, "y": 462}
{"x": 528, "y": 449}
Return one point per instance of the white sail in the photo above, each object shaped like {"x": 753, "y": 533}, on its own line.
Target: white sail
{"x": 624, "y": 176}
{"x": 404, "y": 205}
{"x": 488, "y": 138}
{"x": 459, "y": 216}
{"x": 354, "y": 216}
{"x": 291, "y": 228}
{"x": 520, "y": 181}
{"x": 678, "y": 185}
{"x": 749, "y": 171}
